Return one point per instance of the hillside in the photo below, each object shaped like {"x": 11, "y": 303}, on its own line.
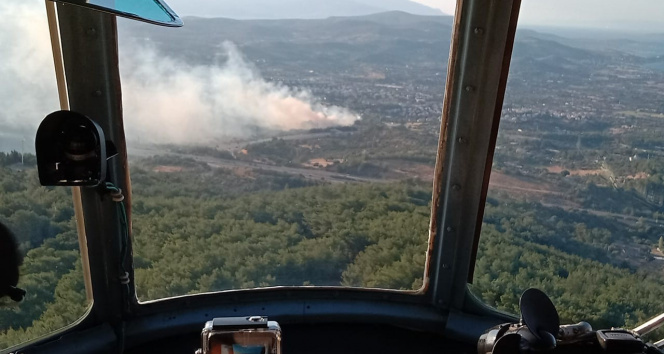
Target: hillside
{"x": 223, "y": 232}
{"x": 342, "y": 43}
{"x": 295, "y": 9}
{"x": 331, "y": 44}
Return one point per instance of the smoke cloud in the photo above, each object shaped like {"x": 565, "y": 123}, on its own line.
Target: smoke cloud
{"x": 165, "y": 100}
{"x": 170, "y": 101}
{"x": 28, "y": 90}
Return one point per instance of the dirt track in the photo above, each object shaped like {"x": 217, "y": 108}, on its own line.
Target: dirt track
{"x": 504, "y": 182}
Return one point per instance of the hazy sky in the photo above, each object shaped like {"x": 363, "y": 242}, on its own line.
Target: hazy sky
{"x": 643, "y": 15}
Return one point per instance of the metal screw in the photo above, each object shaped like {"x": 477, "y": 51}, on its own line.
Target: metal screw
{"x": 461, "y": 140}
{"x": 91, "y": 31}
{"x": 456, "y": 187}
{"x": 449, "y": 229}
{"x": 478, "y": 31}
{"x": 444, "y": 265}
{"x": 97, "y": 93}
{"x": 469, "y": 88}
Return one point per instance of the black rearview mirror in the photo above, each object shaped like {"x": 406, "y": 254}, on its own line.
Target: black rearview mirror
{"x": 71, "y": 150}
{"x": 151, "y": 11}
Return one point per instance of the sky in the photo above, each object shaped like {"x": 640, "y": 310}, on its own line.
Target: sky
{"x": 642, "y": 15}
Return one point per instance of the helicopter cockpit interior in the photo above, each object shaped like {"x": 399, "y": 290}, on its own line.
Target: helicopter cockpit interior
{"x": 350, "y": 177}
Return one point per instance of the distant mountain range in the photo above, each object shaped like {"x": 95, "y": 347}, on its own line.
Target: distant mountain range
{"x": 397, "y": 39}
{"x": 295, "y": 9}
{"x": 335, "y": 43}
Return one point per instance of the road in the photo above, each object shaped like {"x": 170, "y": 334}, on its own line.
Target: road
{"x": 334, "y": 177}
{"x": 628, "y": 219}
{"x": 309, "y": 173}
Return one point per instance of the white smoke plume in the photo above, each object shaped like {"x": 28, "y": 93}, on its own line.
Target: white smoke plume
{"x": 165, "y": 101}
{"x": 28, "y": 90}
{"x": 170, "y": 101}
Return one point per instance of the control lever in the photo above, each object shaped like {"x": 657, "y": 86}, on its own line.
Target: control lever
{"x": 650, "y": 325}
{"x": 659, "y": 344}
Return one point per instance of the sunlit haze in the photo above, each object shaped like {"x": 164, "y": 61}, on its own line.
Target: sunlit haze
{"x": 446, "y": 6}
{"x": 636, "y": 15}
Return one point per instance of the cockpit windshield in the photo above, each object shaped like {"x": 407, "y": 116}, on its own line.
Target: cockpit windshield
{"x": 576, "y": 197}
{"x": 283, "y": 148}
{"x": 41, "y": 218}
{"x": 283, "y": 144}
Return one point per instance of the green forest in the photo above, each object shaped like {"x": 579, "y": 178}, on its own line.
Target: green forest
{"x": 198, "y": 229}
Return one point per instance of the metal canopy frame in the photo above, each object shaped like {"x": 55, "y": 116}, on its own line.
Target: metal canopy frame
{"x": 484, "y": 37}
{"x": 482, "y": 42}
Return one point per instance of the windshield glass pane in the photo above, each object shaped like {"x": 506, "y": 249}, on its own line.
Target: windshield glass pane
{"x": 576, "y": 193}
{"x": 42, "y": 219}
{"x": 293, "y": 151}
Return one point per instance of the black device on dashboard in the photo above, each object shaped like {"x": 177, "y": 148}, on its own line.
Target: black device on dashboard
{"x": 241, "y": 335}
{"x": 539, "y": 331}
